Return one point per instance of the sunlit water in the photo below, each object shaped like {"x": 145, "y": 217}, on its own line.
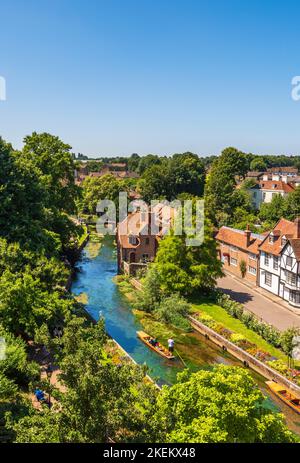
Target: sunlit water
{"x": 95, "y": 279}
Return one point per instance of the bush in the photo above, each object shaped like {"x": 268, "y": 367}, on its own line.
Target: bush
{"x": 173, "y": 310}
{"x": 236, "y": 310}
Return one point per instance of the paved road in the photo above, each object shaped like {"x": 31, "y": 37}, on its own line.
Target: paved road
{"x": 261, "y": 306}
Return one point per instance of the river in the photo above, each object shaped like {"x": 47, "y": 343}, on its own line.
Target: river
{"x": 94, "y": 282}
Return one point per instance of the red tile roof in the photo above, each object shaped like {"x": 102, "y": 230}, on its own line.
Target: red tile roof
{"x": 282, "y": 228}
{"x": 235, "y": 237}
{"x": 275, "y": 185}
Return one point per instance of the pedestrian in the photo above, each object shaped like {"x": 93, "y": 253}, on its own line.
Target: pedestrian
{"x": 171, "y": 345}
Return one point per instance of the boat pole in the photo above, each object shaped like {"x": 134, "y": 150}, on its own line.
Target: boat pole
{"x": 181, "y": 358}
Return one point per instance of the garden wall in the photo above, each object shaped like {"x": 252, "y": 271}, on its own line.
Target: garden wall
{"x": 243, "y": 356}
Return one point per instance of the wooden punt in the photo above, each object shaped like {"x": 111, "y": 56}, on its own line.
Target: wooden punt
{"x": 159, "y": 349}
{"x": 285, "y": 395}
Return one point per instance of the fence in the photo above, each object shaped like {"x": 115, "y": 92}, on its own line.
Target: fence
{"x": 247, "y": 359}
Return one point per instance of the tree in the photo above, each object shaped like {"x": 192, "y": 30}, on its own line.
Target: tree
{"x": 289, "y": 340}
{"x": 102, "y": 399}
{"x": 291, "y": 208}
{"x": 187, "y": 269}
{"x": 258, "y": 164}
{"x": 54, "y": 160}
{"x": 186, "y": 175}
{"x": 222, "y": 405}
{"x": 96, "y": 189}
{"x": 155, "y": 184}
{"x": 148, "y": 161}
{"x": 220, "y": 194}
{"x": 273, "y": 211}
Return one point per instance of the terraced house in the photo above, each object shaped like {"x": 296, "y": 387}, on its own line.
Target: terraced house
{"x": 240, "y": 249}
{"x": 280, "y": 261}
{"x": 271, "y": 261}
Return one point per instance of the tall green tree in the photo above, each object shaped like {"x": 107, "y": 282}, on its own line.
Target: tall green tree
{"x": 223, "y": 405}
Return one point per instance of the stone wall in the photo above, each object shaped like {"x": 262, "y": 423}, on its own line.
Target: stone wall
{"x": 247, "y": 359}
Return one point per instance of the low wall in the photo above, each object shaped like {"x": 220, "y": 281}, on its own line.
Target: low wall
{"x": 243, "y": 356}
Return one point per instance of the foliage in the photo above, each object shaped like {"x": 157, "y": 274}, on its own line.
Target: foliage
{"x": 173, "y": 310}
{"x": 243, "y": 268}
{"x": 223, "y": 405}
{"x": 258, "y": 164}
{"x": 96, "y": 189}
{"x": 187, "y": 269}
{"x": 183, "y": 173}
{"x": 220, "y": 194}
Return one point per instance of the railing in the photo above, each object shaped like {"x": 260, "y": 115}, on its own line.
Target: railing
{"x": 244, "y": 356}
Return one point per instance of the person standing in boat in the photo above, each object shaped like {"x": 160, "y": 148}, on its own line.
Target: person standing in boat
{"x": 171, "y": 345}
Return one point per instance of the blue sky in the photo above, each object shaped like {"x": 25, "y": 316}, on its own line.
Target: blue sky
{"x": 115, "y": 77}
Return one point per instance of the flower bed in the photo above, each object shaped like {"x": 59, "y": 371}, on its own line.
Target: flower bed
{"x": 249, "y": 347}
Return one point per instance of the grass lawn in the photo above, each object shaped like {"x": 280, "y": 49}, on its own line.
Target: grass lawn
{"x": 220, "y": 315}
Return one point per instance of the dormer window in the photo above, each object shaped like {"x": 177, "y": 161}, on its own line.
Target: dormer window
{"x": 271, "y": 238}
{"x": 283, "y": 241}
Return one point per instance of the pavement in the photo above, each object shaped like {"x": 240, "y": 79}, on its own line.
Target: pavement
{"x": 267, "y": 308}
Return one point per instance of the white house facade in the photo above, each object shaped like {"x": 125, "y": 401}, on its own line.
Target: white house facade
{"x": 279, "y": 269}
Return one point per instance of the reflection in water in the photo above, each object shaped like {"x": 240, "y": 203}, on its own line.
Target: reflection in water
{"x": 95, "y": 280}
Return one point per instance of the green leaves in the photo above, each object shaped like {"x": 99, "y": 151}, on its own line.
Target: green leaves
{"x": 223, "y": 405}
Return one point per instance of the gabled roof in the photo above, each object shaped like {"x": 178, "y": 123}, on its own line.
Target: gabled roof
{"x": 283, "y": 228}
{"x": 238, "y": 238}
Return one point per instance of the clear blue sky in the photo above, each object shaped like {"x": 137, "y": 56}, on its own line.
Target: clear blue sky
{"x": 115, "y": 77}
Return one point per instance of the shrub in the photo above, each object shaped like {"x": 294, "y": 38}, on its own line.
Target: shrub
{"x": 236, "y": 338}
{"x": 236, "y": 310}
{"x": 173, "y": 310}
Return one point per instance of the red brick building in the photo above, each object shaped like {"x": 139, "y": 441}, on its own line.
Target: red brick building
{"x": 238, "y": 249}
{"x": 137, "y": 244}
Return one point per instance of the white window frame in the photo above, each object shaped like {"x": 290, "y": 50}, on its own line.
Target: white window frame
{"x": 233, "y": 263}
{"x": 268, "y": 275}
{"x": 266, "y": 260}
{"x": 252, "y": 270}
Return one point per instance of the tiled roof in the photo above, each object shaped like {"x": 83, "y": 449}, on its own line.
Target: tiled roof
{"x": 235, "y": 237}
{"x": 283, "y": 169}
{"x": 275, "y": 185}
{"x": 282, "y": 228}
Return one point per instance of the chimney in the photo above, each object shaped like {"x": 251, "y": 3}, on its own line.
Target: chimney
{"x": 247, "y": 235}
{"x": 297, "y": 224}
{"x": 284, "y": 178}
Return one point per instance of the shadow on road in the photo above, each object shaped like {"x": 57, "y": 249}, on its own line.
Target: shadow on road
{"x": 238, "y": 296}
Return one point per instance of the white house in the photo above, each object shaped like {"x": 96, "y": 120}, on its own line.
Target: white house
{"x": 279, "y": 270}
{"x": 265, "y": 189}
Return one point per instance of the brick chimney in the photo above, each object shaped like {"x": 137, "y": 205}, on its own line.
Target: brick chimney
{"x": 297, "y": 225}
{"x": 247, "y": 235}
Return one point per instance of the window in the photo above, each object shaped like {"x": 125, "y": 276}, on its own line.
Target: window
{"x": 268, "y": 279}
{"x": 291, "y": 278}
{"x": 252, "y": 256}
{"x": 271, "y": 239}
{"x": 275, "y": 262}
{"x": 147, "y": 241}
{"x": 267, "y": 260}
{"x": 283, "y": 241}
{"x": 132, "y": 240}
{"x": 233, "y": 261}
{"x": 264, "y": 196}
{"x": 252, "y": 270}
{"x": 295, "y": 297}
{"x": 145, "y": 257}
{"x": 289, "y": 261}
